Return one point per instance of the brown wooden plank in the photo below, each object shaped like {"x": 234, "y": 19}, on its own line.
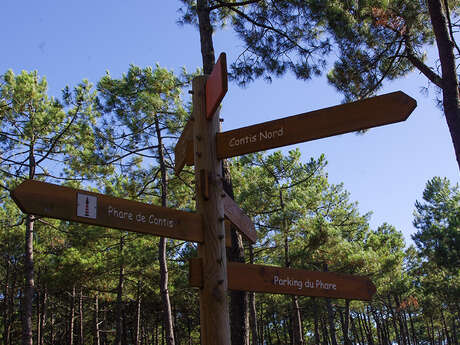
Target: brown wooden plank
{"x": 228, "y": 236}
{"x": 279, "y": 280}
{"x": 350, "y": 117}
{"x": 183, "y": 152}
{"x": 236, "y": 215}
{"x": 216, "y": 85}
{"x": 53, "y": 201}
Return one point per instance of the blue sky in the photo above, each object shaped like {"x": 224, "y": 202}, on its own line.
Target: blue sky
{"x": 385, "y": 170}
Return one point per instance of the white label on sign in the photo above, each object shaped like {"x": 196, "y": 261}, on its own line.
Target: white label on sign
{"x": 86, "y": 206}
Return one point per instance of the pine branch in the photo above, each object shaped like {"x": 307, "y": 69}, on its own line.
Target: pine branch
{"x": 271, "y": 28}
{"x": 56, "y": 139}
{"x": 384, "y": 75}
{"x": 424, "y": 69}
{"x": 232, "y": 4}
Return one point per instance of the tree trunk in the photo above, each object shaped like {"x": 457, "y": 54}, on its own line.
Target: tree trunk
{"x": 362, "y": 331}
{"x": 275, "y": 327}
{"x": 398, "y": 315}
{"x": 355, "y": 331}
{"x": 39, "y": 309}
{"x": 138, "y": 312}
{"x": 346, "y": 323}
{"x": 43, "y": 316}
{"x": 444, "y": 325}
{"x": 297, "y": 330}
{"x": 454, "y": 331}
{"x": 252, "y": 307}
{"x": 330, "y": 315}
{"x": 238, "y": 299}
{"x": 80, "y": 309}
{"x": 72, "y": 316}
{"x": 316, "y": 321}
{"x": 368, "y": 326}
{"x": 119, "y": 304}
{"x": 205, "y": 27}
{"x": 8, "y": 293}
{"x": 378, "y": 325}
{"x": 167, "y": 315}
{"x": 261, "y": 326}
{"x": 450, "y": 92}
{"x": 412, "y": 328}
{"x": 325, "y": 332}
{"x": 27, "y": 337}
{"x": 97, "y": 339}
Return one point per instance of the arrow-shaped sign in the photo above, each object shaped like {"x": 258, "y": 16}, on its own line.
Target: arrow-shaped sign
{"x": 271, "y": 279}
{"x": 350, "y": 117}
{"x": 216, "y": 85}
{"x": 236, "y": 215}
{"x": 368, "y": 113}
{"x": 53, "y": 201}
{"x": 183, "y": 152}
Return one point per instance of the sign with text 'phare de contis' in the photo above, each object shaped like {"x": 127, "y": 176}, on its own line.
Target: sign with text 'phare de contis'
{"x": 279, "y": 280}
{"x": 53, "y": 201}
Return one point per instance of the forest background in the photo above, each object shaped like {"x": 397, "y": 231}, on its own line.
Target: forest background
{"x": 385, "y": 170}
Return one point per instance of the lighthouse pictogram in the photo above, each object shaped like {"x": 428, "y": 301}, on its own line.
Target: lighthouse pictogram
{"x": 86, "y": 205}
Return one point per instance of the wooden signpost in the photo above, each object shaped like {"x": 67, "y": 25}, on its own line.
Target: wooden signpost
{"x": 214, "y": 314}
{"x": 202, "y": 144}
{"x": 53, "y": 201}
{"x": 211, "y": 272}
{"x": 279, "y": 280}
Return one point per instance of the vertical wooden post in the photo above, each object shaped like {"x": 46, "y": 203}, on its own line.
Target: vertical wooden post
{"x": 215, "y": 326}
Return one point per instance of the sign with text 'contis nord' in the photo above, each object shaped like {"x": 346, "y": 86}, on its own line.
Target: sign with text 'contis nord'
{"x": 271, "y": 279}
{"x": 345, "y": 118}
{"x": 53, "y": 201}
{"x": 372, "y": 112}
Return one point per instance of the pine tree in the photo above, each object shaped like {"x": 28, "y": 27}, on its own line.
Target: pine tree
{"x": 37, "y": 133}
{"x": 148, "y": 112}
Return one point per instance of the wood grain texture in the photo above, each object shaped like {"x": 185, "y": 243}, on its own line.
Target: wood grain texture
{"x": 53, "y": 201}
{"x": 345, "y": 118}
{"x": 279, "y": 280}
{"x": 183, "y": 152}
{"x": 236, "y": 215}
{"x": 216, "y": 86}
{"x": 214, "y": 312}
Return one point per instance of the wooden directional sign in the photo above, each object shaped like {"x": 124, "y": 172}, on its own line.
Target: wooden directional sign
{"x": 53, "y": 201}
{"x": 236, "y": 215}
{"x": 271, "y": 279}
{"x": 183, "y": 152}
{"x": 216, "y": 85}
{"x": 368, "y": 113}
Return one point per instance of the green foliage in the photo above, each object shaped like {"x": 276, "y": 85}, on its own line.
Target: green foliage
{"x": 438, "y": 221}
{"x": 302, "y": 220}
{"x": 37, "y": 129}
